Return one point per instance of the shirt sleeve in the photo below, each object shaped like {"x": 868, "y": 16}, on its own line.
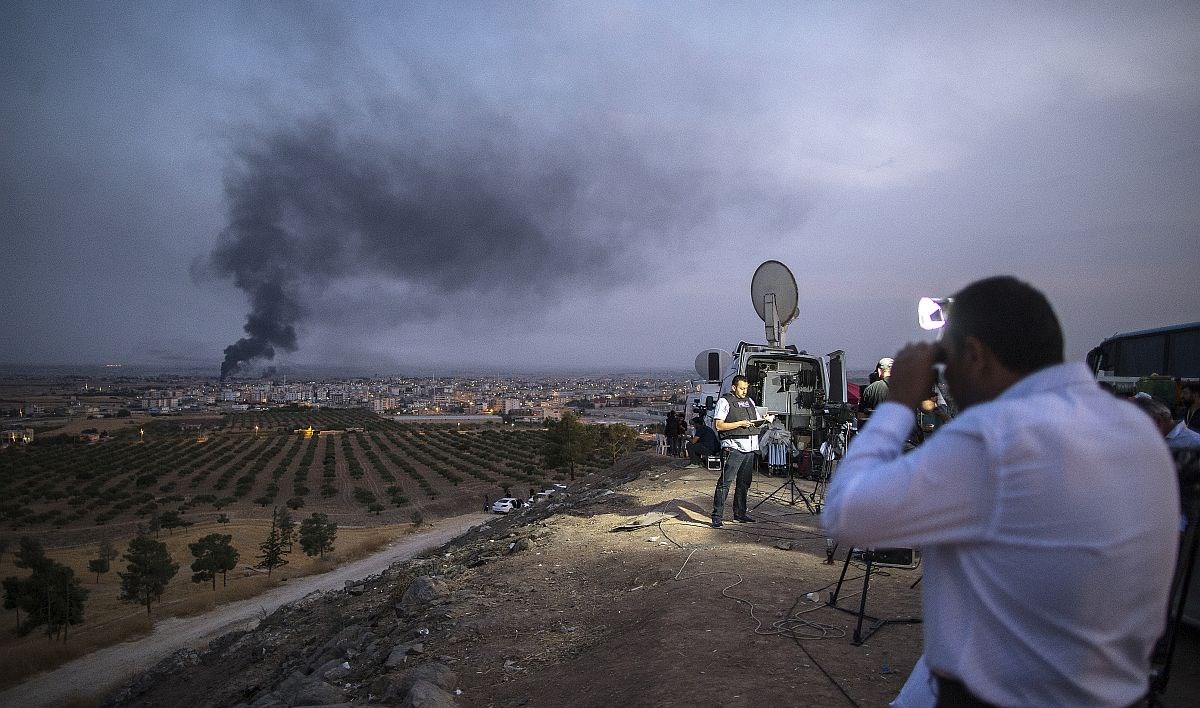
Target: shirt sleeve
{"x": 721, "y": 410}
{"x": 941, "y": 492}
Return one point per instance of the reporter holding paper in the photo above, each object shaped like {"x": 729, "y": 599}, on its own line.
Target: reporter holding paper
{"x": 734, "y": 419}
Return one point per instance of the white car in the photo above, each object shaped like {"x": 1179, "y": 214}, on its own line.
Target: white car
{"x": 505, "y": 505}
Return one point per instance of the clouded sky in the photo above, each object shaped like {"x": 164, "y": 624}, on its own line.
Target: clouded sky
{"x": 530, "y": 185}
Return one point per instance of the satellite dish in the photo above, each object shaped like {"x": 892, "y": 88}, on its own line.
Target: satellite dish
{"x": 711, "y": 364}
{"x": 776, "y": 300}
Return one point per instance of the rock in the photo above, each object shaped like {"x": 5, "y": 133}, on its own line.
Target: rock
{"x": 400, "y": 652}
{"x": 269, "y": 700}
{"x": 436, "y": 673}
{"x": 421, "y": 591}
{"x": 318, "y": 693}
{"x": 356, "y": 589}
{"x": 287, "y": 688}
{"x": 336, "y": 673}
{"x": 784, "y": 545}
{"x": 521, "y": 544}
{"x": 427, "y": 695}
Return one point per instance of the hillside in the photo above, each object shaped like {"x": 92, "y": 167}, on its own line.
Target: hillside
{"x": 552, "y": 607}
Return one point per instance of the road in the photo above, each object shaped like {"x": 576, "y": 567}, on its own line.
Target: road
{"x": 101, "y": 669}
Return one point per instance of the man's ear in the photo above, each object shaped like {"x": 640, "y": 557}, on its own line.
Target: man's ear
{"x": 991, "y": 375}
{"x": 974, "y": 355}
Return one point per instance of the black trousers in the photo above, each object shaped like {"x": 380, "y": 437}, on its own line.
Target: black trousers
{"x": 697, "y": 453}
{"x": 738, "y": 466}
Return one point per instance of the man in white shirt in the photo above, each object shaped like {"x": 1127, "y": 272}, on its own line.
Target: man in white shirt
{"x": 1047, "y": 567}
{"x": 736, "y": 424}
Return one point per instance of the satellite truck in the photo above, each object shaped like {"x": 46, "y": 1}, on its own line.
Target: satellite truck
{"x": 806, "y": 393}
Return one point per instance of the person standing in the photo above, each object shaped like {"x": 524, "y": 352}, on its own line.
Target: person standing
{"x": 876, "y": 393}
{"x": 1189, "y": 396}
{"x": 672, "y": 431}
{"x": 734, "y": 419}
{"x": 1038, "y": 589}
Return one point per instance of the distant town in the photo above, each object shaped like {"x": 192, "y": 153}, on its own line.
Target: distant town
{"x": 635, "y": 399}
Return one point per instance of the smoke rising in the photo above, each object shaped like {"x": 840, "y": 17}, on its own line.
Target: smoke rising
{"x": 469, "y": 215}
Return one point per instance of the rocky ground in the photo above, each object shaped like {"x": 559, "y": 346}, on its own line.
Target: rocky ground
{"x": 552, "y": 607}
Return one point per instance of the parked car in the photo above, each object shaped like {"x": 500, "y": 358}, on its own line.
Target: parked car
{"x": 505, "y": 505}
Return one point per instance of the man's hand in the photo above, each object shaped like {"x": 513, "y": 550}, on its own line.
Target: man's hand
{"x": 913, "y": 375}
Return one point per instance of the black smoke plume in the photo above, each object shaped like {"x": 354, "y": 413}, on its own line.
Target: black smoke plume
{"x": 475, "y": 214}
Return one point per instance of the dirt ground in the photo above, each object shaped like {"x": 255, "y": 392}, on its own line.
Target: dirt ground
{"x": 679, "y": 613}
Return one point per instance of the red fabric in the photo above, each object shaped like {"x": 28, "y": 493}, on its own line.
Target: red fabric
{"x": 852, "y": 393}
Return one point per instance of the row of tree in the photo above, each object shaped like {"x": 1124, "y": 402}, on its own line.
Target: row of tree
{"x": 570, "y": 442}
{"x": 51, "y": 595}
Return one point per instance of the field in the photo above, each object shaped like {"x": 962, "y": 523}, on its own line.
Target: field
{"x": 107, "y": 620}
{"x": 350, "y": 464}
{"x": 182, "y": 479}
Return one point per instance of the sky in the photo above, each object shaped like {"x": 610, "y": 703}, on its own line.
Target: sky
{"x": 414, "y": 186}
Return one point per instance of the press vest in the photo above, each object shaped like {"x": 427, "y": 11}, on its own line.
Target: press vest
{"x": 739, "y": 409}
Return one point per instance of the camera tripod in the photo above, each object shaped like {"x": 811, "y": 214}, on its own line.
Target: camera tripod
{"x": 868, "y": 555}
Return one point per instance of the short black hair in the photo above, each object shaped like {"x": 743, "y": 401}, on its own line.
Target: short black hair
{"x": 1193, "y": 386}
{"x": 697, "y": 421}
{"x": 1011, "y": 317}
{"x": 736, "y": 379}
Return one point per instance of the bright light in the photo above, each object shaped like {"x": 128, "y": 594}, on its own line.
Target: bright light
{"x": 931, "y": 312}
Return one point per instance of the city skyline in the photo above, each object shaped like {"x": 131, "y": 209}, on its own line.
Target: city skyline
{"x": 563, "y": 186}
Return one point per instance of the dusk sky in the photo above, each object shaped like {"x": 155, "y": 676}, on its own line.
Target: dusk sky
{"x": 413, "y": 186}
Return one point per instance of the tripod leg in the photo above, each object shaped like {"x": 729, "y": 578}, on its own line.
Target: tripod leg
{"x": 862, "y": 603}
{"x": 838, "y": 589}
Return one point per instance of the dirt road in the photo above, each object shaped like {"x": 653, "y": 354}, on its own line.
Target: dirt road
{"x": 102, "y": 669}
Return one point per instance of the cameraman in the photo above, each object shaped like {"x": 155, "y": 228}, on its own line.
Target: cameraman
{"x": 1039, "y": 589}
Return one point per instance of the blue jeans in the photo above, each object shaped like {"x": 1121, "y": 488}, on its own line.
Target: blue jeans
{"x": 739, "y": 466}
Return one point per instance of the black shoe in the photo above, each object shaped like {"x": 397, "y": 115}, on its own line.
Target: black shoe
{"x": 744, "y": 519}
{"x": 716, "y": 523}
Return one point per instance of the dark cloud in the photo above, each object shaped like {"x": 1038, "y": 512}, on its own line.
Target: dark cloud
{"x": 477, "y": 213}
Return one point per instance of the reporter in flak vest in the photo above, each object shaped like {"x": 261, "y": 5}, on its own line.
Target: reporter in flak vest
{"x": 734, "y": 419}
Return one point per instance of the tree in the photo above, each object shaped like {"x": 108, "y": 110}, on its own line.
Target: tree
{"x": 99, "y": 566}
{"x": 106, "y": 551}
{"x": 274, "y": 548}
{"x": 50, "y": 596}
{"x": 102, "y": 563}
{"x": 29, "y": 553}
{"x": 149, "y": 568}
{"x": 287, "y": 528}
{"x": 615, "y": 440}
{"x": 14, "y": 593}
{"x": 61, "y": 599}
{"x": 317, "y": 533}
{"x": 172, "y": 520}
{"x": 214, "y": 554}
{"x": 568, "y": 443}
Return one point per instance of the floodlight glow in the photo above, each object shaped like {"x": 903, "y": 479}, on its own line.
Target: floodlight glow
{"x": 931, "y": 312}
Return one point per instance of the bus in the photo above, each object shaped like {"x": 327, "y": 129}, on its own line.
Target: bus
{"x": 1163, "y": 353}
